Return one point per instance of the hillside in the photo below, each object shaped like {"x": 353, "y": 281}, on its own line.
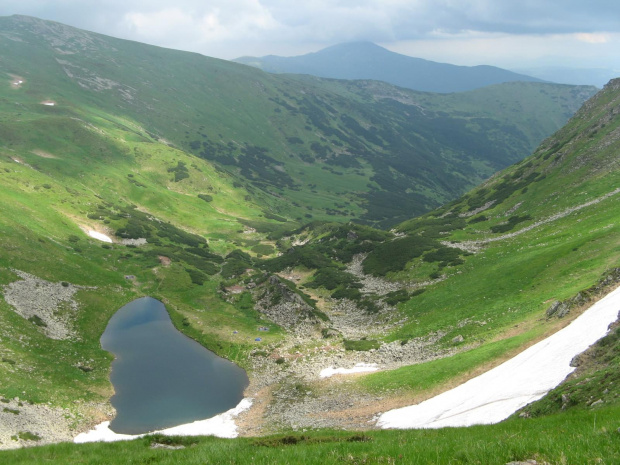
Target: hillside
{"x": 430, "y": 302}
{"x": 522, "y": 255}
{"x": 443, "y": 296}
{"x": 365, "y": 60}
{"x": 301, "y": 149}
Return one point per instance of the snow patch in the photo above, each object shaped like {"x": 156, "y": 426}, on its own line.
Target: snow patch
{"x": 358, "y": 368}
{"x": 498, "y": 393}
{"x": 221, "y": 426}
{"x": 99, "y": 236}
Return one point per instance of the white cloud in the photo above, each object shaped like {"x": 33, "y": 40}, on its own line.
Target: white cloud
{"x": 218, "y": 21}
{"x": 593, "y": 38}
{"x": 230, "y": 28}
{"x": 515, "y": 51}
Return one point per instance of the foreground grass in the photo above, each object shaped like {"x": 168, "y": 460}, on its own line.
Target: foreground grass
{"x": 582, "y": 437}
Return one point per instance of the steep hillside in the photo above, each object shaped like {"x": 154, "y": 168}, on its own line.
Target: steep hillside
{"x": 365, "y": 60}
{"x": 302, "y": 149}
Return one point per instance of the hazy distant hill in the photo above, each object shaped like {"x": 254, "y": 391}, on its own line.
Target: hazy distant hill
{"x": 365, "y": 60}
{"x": 576, "y": 76}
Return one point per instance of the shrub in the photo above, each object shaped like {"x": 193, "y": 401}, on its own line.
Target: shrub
{"x": 347, "y": 293}
{"x": 512, "y": 222}
{"x": 272, "y": 216}
{"x": 396, "y": 297}
{"x": 442, "y": 254}
{"x": 330, "y": 278}
{"x": 36, "y": 319}
{"x": 394, "y": 255}
{"x": 263, "y": 249}
{"x": 361, "y": 345}
{"x": 196, "y": 276}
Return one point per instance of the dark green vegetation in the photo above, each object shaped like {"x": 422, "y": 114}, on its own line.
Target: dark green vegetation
{"x": 571, "y": 437}
{"x": 224, "y": 197}
{"x": 301, "y": 148}
{"x": 365, "y": 60}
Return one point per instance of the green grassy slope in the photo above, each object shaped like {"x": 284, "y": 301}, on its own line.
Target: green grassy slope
{"x": 335, "y": 156}
{"x": 483, "y": 270}
{"x": 67, "y": 170}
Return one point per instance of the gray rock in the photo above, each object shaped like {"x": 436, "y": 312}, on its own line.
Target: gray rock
{"x": 553, "y": 308}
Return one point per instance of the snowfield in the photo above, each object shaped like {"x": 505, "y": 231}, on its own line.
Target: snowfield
{"x": 498, "y": 393}
{"x": 358, "y": 368}
{"x": 99, "y": 236}
{"x": 222, "y": 426}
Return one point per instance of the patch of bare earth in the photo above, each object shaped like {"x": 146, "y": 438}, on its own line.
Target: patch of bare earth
{"x": 50, "y": 306}
{"x": 43, "y": 154}
{"x": 16, "y": 81}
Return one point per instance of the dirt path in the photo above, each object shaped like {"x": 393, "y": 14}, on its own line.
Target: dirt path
{"x": 474, "y": 246}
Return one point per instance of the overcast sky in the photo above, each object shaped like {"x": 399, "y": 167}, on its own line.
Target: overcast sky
{"x": 507, "y": 33}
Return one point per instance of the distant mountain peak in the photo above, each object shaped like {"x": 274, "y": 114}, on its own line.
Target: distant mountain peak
{"x": 367, "y": 60}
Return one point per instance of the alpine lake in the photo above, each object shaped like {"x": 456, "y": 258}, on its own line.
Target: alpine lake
{"x": 161, "y": 377}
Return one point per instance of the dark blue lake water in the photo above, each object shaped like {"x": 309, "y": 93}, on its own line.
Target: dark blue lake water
{"x": 161, "y": 377}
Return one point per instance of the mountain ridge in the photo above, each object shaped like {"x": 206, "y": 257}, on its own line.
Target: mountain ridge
{"x": 366, "y": 60}
{"x": 285, "y": 137}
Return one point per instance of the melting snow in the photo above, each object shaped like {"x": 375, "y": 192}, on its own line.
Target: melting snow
{"x": 222, "y": 426}
{"x": 359, "y": 368}
{"x": 99, "y": 236}
{"x": 498, "y": 393}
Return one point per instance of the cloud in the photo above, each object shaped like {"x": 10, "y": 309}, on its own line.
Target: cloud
{"x": 230, "y": 28}
{"x": 215, "y": 22}
{"x": 593, "y": 38}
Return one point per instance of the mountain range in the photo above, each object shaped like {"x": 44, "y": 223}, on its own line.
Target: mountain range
{"x": 246, "y": 202}
{"x": 291, "y": 141}
{"x": 365, "y": 60}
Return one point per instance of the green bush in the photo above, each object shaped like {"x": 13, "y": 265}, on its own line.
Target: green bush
{"x": 442, "y": 254}
{"x": 361, "y": 345}
{"x": 36, "y": 319}
{"x": 347, "y": 293}
{"x": 196, "y": 276}
{"x": 330, "y": 278}
{"x": 180, "y": 172}
{"x": 394, "y": 255}
{"x": 512, "y": 222}
{"x": 273, "y": 216}
{"x": 263, "y": 249}
{"x": 396, "y": 297}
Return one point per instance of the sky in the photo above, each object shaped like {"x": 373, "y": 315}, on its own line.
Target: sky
{"x": 512, "y": 34}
